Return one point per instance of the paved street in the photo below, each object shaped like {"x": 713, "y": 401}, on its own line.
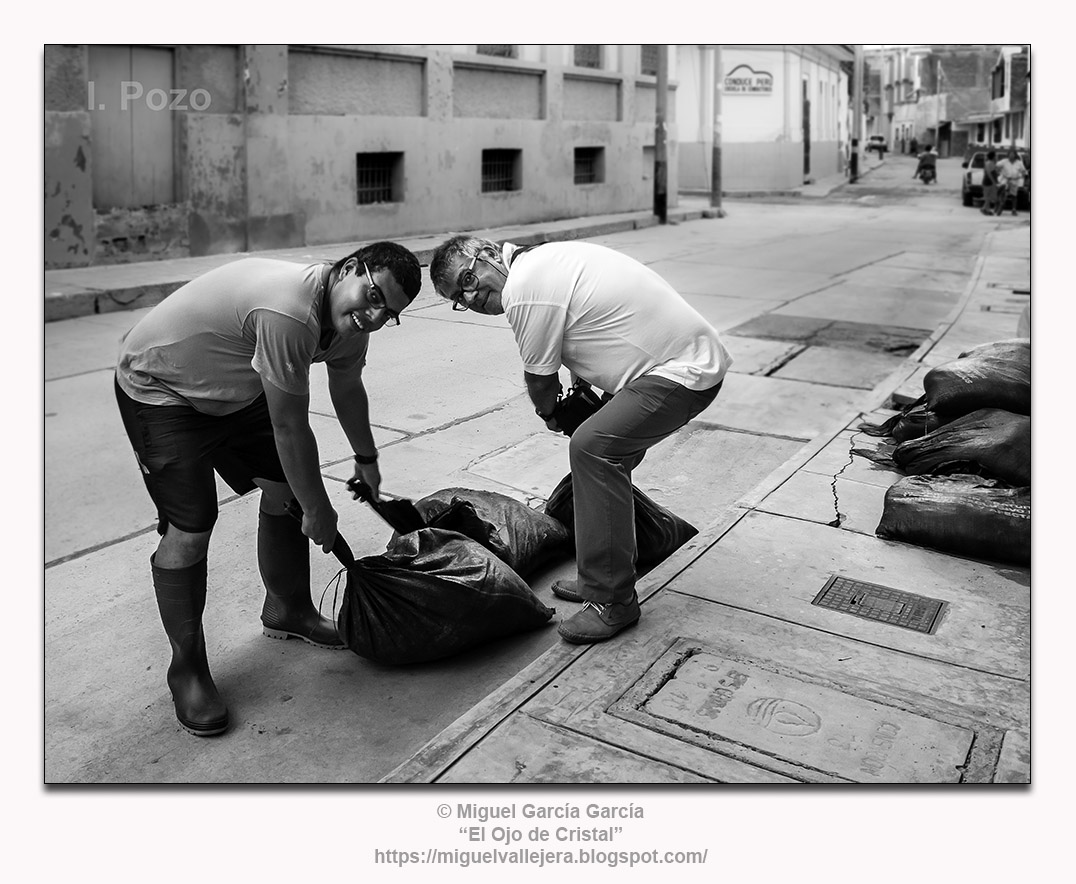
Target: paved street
{"x": 822, "y": 302}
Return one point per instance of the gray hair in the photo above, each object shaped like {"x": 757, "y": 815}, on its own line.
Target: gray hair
{"x": 448, "y": 256}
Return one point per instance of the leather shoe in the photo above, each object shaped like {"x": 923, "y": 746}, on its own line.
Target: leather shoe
{"x": 567, "y": 590}
{"x": 596, "y": 623}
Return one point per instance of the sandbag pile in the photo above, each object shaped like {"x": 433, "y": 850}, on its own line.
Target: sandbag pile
{"x": 965, "y": 446}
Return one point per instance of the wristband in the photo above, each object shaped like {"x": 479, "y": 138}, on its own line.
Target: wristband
{"x": 366, "y": 461}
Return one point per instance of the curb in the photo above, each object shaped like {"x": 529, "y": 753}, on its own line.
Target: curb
{"x": 70, "y": 301}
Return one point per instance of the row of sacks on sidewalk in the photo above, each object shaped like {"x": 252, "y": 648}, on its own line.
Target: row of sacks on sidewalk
{"x": 460, "y": 580}
{"x": 965, "y": 447}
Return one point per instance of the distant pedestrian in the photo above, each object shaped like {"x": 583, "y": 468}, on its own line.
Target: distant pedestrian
{"x": 991, "y": 206}
{"x": 1011, "y": 172}
{"x": 614, "y": 323}
{"x": 914, "y": 146}
{"x": 216, "y": 378}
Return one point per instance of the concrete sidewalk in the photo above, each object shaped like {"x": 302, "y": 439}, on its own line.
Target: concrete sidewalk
{"x": 732, "y": 607}
{"x": 733, "y": 676}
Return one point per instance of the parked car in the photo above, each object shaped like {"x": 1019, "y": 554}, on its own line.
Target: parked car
{"x": 878, "y": 143}
{"x": 971, "y": 187}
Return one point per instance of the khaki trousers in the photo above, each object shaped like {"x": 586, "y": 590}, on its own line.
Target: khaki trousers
{"x": 603, "y": 452}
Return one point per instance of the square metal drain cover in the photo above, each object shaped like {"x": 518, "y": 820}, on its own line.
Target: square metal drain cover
{"x": 883, "y": 604}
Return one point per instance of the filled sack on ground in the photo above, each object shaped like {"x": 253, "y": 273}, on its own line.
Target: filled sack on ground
{"x": 965, "y": 515}
{"x": 434, "y": 594}
{"x": 658, "y": 531}
{"x": 991, "y": 442}
{"x": 525, "y": 539}
{"x": 911, "y": 423}
{"x": 996, "y": 375}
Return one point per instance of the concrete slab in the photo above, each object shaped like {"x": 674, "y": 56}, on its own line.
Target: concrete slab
{"x": 724, "y": 312}
{"x": 984, "y": 628}
{"x": 100, "y": 497}
{"x": 606, "y": 694}
{"x": 921, "y": 280}
{"x": 742, "y": 282}
{"x": 837, "y": 457}
{"x": 901, "y": 307}
{"x": 816, "y": 498}
{"x": 300, "y": 714}
{"x": 923, "y": 260}
{"x": 758, "y": 355}
{"x": 1014, "y": 763}
{"x": 778, "y": 407}
{"x": 414, "y": 395}
{"x": 83, "y": 344}
{"x": 508, "y": 756}
{"x": 837, "y": 367}
{"x": 811, "y": 725}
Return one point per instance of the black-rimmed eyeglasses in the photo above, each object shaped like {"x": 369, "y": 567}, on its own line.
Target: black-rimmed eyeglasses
{"x": 376, "y": 299}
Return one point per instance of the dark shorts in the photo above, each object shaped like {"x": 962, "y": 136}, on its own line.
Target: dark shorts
{"x": 178, "y": 449}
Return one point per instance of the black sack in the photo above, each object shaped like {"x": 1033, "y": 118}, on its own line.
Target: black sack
{"x": 523, "y": 538}
{"x": 436, "y": 593}
{"x": 990, "y": 441}
{"x": 913, "y": 422}
{"x": 658, "y": 531}
{"x": 965, "y": 515}
{"x": 996, "y": 375}
{"x": 576, "y": 406}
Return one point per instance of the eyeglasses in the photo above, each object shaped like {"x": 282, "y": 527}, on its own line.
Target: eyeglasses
{"x": 376, "y": 299}
{"x": 467, "y": 281}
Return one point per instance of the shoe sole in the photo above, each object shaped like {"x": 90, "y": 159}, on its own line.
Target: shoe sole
{"x": 576, "y": 639}
{"x": 284, "y": 636}
{"x": 204, "y": 732}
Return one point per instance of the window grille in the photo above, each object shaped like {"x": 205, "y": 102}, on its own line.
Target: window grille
{"x": 588, "y": 165}
{"x": 500, "y": 170}
{"x": 649, "y": 61}
{"x": 588, "y": 55}
{"x": 376, "y": 177}
{"x": 500, "y": 50}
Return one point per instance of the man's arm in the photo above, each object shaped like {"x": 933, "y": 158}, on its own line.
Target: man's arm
{"x": 298, "y": 450}
{"x": 543, "y": 390}
{"x": 352, "y": 406}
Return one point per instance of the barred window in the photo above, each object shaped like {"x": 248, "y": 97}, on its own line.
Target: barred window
{"x": 500, "y": 50}
{"x": 501, "y": 170}
{"x": 378, "y": 178}
{"x": 588, "y": 55}
{"x": 589, "y": 165}
{"x": 648, "y": 64}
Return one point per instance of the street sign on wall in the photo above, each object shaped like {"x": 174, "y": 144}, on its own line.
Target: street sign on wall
{"x": 745, "y": 80}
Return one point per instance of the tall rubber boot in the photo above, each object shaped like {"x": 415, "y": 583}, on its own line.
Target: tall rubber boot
{"x": 181, "y": 600}
{"x": 284, "y": 562}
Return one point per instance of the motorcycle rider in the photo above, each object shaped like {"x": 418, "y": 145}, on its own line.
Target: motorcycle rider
{"x": 927, "y": 160}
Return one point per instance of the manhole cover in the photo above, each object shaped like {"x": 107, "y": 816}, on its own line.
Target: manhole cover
{"x": 883, "y": 604}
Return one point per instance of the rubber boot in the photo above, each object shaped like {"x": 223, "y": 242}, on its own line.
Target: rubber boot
{"x": 181, "y": 600}
{"x": 284, "y": 562}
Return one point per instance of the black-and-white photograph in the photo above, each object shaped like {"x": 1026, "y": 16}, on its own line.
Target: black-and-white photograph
{"x": 531, "y": 415}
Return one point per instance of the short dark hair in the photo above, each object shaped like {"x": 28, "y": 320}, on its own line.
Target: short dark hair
{"x": 990, "y": 154}
{"x": 394, "y": 258}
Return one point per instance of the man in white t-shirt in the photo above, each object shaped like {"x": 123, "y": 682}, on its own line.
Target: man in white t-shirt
{"x": 617, "y": 325}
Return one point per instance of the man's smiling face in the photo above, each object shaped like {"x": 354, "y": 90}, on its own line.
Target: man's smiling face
{"x": 353, "y": 300}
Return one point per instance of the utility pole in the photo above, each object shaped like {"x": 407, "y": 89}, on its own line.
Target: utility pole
{"x": 661, "y": 164}
{"x": 715, "y": 162}
{"x": 857, "y": 109}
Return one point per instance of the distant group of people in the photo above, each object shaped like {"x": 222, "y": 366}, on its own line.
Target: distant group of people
{"x": 1002, "y": 181}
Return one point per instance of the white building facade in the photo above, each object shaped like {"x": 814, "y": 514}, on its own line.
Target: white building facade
{"x": 782, "y": 112}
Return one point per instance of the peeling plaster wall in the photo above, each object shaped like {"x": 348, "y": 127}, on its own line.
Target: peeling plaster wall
{"x": 68, "y": 206}
{"x": 269, "y": 160}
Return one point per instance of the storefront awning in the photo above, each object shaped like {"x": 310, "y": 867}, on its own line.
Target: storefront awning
{"x": 986, "y": 117}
